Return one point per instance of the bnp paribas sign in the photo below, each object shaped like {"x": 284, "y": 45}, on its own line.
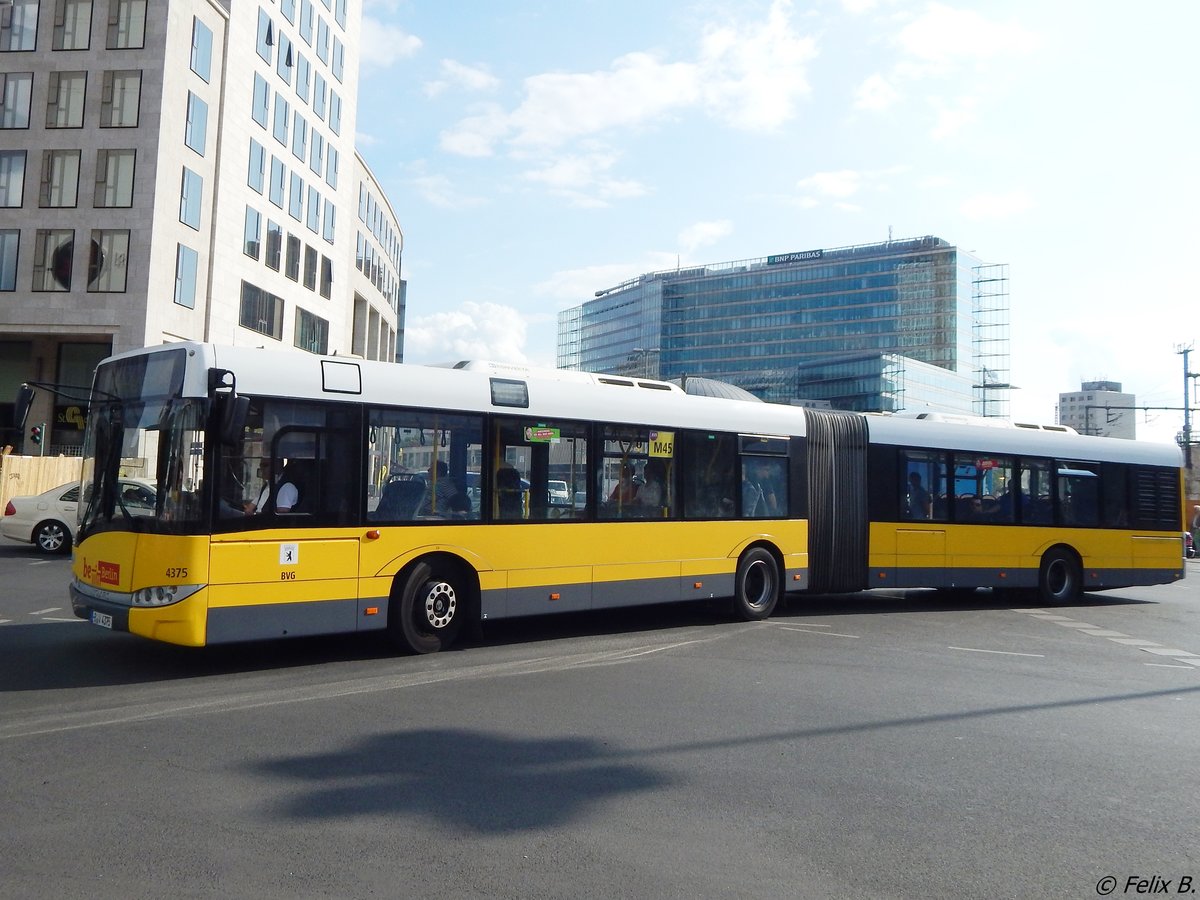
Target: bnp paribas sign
{"x": 794, "y": 257}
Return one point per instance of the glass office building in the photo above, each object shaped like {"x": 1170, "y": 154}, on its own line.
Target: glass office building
{"x": 781, "y": 326}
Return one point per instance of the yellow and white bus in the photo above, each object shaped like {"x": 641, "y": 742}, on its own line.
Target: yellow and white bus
{"x": 419, "y": 499}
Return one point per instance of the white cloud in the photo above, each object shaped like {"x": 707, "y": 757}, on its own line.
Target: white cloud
{"x": 843, "y": 183}
{"x": 383, "y": 45}
{"x": 584, "y": 180}
{"x": 747, "y": 76}
{"x": 703, "y": 234}
{"x": 875, "y": 93}
{"x": 941, "y": 35}
{"x": 438, "y": 190}
{"x": 455, "y": 75}
{"x": 997, "y": 206}
{"x": 953, "y": 118}
{"x": 473, "y": 331}
{"x": 571, "y": 287}
{"x": 753, "y": 75}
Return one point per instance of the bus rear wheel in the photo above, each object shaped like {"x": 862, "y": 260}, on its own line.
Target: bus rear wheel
{"x": 1060, "y": 579}
{"x": 428, "y": 612}
{"x": 756, "y": 585}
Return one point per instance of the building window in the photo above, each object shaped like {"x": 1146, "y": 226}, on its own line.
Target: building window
{"x": 186, "y": 264}
{"x": 121, "y": 98}
{"x": 15, "y": 91}
{"x": 331, "y": 168}
{"x": 326, "y": 277}
{"x": 9, "y": 241}
{"x": 114, "y": 178}
{"x": 292, "y": 261}
{"x": 53, "y": 252}
{"x": 72, "y": 24}
{"x": 322, "y": 40}
{"x": 282, "y": 112}
{"x": 283, "y": 66}
{"x": 256, "y": 170}
{"x": 278, "y": 173}
{"x": 306, "y": 21}
{"x": 299, "y": 136}
{"x": 18, "y": 25}
{"x": 312, "y": 332}
{"x": 201, "y": 61}
{"x": 317, "y": 162}
{"x": 262, "y": 100}
{"x": 266, "y": 36}
{"x": 261, "y": 311}
{"x": 339, "y": 13}
{"x": 319, "y": 94}
{"x": 109, "y": 261}
{"x": 64, "y": 99}
{"x": 303, "y": 77}
{"x": 310, "y": 268}
{"x": 274, "y": 245}
{"x": 329, "y": 219}
{"x": 288, "y": 8}
{"x": 313, "y": 219}
{"x": 296, "y": 197}
{"x": 60, "y": 179}
{"x": 191, "y": 194}
{"x": 196, "y": 129}
{"x": 335, "y": 112}
{"x": 126, "y": 24}
{"x": 253, "y": 232}
{"x": 12, "y": 178}
{"x": 339, "y": 59}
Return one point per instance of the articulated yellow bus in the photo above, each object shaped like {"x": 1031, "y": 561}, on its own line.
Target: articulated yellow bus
{"x": 303, "y": 495}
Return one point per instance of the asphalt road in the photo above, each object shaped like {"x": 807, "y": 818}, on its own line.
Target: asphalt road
{"x": 877, "y": 745}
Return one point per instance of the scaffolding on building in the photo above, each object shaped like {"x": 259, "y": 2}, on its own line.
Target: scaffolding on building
{"x": 990, "y": 339}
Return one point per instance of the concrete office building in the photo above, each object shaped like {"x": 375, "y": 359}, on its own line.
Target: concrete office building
{"x": 183, "y": 169}
{"x": 910, "y": 324}
{"x": 1099, "y": 408}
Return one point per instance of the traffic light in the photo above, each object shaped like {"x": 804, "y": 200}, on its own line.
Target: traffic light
{"x": 35, "y": 434}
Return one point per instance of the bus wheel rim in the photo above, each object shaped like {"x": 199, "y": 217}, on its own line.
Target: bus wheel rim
{"x": 441, "y": 603}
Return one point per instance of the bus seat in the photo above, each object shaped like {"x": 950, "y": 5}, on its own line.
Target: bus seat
{"x": 400, "y": 500}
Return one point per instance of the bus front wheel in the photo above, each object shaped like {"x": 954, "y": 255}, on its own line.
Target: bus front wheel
{"x": 756, "y": 585}
{"x": 1060, "y": 579}
{"x": 427, "y": 614}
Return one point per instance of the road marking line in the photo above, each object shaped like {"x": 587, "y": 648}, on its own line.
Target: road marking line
{"x": 1165, "y": 666}
{"x": 810, "y": 625}
{"x": 61, "y": 619}
{"x": 1076, "y": 625}
{"x": 829, "y": 633}
{"x": 42, "y": 612}
{"x": 1134, "y": 642}
{"x": 1001, "y": 652}
{"x": 5, "y": 621}
{"x": 1165, "y": 651}
{"x": 1103, "y": 632}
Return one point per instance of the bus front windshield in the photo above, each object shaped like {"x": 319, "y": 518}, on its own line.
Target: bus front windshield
{"x": 143, "y": 465}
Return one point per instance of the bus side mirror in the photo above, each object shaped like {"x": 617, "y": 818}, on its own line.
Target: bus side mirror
{"x": 22, "y": 405}
{"x": 233, "y": 418}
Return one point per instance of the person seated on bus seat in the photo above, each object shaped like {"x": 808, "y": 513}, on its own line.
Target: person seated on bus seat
{"x": 626, "y": 489}
{"x": 444, "y": 497}
{"x": 651, "y": 494}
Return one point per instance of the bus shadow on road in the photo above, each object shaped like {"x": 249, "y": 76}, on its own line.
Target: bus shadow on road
{"x": 470, "y": 779}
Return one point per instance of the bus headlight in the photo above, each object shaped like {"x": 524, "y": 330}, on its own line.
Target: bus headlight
{"x": 164, "y": 595}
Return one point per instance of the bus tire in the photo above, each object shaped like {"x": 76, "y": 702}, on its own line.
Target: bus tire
{"x": 757, "y": 585}
{"x": 1060, "y": 579}
{"x": 427, "y": 613}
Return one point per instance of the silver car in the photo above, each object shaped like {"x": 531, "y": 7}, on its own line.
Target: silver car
{"x": 47, "y": 520}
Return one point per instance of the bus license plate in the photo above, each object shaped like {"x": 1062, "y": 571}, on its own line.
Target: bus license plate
{"x": 104, "y": 620}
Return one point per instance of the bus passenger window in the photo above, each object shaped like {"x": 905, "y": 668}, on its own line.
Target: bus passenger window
{"x": 924, "y": 486}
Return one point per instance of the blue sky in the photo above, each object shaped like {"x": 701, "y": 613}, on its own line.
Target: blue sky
{"x": 536, "y": 152}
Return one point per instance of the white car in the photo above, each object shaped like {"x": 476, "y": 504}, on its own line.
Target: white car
{"x": 48, "y": 520}
{"x": 557, "y": 493}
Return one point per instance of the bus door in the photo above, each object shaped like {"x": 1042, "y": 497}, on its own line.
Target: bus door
{"x": 284, "y": 564}
{"x": 926, "y": 493}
